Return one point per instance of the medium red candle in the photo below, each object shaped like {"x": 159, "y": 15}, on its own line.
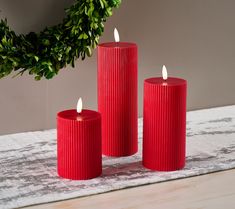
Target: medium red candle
{"x": 79, "y": 153}
{"x": 117, "y": 97}
{"x": 164, "y": 123}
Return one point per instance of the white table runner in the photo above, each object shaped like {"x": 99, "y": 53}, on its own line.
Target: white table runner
{"x": 28, "y": 162}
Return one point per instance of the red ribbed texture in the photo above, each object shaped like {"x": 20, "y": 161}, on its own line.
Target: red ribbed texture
{"x": 79, "y": 155}
{"x": 117, "y": 97}
{"x": 164, "y": 124}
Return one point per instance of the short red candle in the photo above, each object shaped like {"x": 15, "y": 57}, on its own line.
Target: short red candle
{"x": 79, "y": 153}
{"x": 164, "y": 124}
{"x": 117, "y": 97}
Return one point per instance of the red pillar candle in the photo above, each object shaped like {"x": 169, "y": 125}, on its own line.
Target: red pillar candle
{"x": 79, "y": 155}
{"x": 117, "y": 97}
{"x": 164, "y": 123}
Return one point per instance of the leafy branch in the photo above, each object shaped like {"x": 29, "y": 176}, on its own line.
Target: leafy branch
{"x": 45, "y": 53}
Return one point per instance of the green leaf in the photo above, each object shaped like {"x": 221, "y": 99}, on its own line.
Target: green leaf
{"x": 36, "y": 58}
{"x": 85, "y": 36}
{"x": 109, "y": 11}
{"x": 81, "y": 36}
{"x": 37, "y": 78}
{"x": 101, "y": 4}
{"x": 88, "y": 51}
{"x": 68, "y": 23}
{"x": 4, "y": 40}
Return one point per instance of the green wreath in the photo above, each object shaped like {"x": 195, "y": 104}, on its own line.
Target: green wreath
{"x": 45, "y": 53}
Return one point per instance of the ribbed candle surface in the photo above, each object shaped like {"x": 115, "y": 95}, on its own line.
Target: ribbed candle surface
{"x": 117, "y": 97}
{"x": 79, "y": 153}
{"x": 164, "y": 124}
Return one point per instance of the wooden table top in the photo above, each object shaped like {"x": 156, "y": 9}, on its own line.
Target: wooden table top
{"x": 211, "y": 191}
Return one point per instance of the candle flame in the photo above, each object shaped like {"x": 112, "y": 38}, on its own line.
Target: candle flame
{"x": 164, "y": 72}
{"x": 116, "y": 35}
{"x": 79, "y": 105}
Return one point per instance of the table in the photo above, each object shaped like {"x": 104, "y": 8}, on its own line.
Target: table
{"x": 28, "y": 171}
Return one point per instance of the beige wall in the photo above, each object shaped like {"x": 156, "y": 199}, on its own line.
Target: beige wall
{"x": 195, "y": 39}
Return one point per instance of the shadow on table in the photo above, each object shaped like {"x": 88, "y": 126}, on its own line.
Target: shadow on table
{"x": 124, "y": 169}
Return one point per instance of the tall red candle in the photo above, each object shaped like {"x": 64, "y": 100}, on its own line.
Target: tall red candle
{"x": 164, "y": 123}
{"x": 117, "y": 97}
{"x": 79, "y": 155}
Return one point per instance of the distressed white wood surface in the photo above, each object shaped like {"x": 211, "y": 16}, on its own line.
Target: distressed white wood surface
{"x": 28, "y": 162}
